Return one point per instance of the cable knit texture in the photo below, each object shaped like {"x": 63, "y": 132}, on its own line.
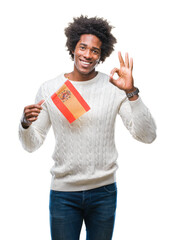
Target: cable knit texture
{"x": 85, "y": 156}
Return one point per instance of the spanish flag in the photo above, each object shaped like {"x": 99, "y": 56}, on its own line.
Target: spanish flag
{"x": 69, "y": 101}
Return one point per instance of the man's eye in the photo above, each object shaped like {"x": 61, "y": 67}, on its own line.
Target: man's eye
{"x": 95, "y": 51}
{"x": 81, "y": 47}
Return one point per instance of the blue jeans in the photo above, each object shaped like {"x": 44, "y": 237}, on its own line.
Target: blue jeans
{"x": 96, "y": 207}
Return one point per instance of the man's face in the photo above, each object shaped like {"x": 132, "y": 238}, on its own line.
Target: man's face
{"x": 87, "y": 53}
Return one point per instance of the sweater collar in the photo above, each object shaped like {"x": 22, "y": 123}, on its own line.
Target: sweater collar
{"x": 93, "y": 80}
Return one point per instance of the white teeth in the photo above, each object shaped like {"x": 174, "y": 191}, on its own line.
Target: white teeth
{"x": 85, "y": 62}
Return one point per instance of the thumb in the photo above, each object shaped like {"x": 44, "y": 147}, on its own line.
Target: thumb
{"x": 41, "y": 102}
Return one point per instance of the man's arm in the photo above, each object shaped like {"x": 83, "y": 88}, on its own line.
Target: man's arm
{"x": 138, "y": 120}
{"x": 34, "y": 124}
{"x": 135, "y": 115}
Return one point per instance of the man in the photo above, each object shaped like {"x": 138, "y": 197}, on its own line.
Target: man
{"x": 83, "y": 183}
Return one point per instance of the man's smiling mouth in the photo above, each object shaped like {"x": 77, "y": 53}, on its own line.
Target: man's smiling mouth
{"x": 85, "y": 62}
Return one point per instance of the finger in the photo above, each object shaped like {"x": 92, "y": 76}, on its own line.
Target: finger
{"x": 29, "y": 115}
{"x": 38, "y": 105}
{"x": 131, "y": 64}
{"x": 32, "y": 106}
{"x": 28, "y": 111}
{"x": 122, "y": 64}
{"x": 113, "y": 71}
{"x": 111, "y": 81}
{"x": 41, "y": 102}
{"x": 126, "y": 60}
{"x": 32, "y": 119}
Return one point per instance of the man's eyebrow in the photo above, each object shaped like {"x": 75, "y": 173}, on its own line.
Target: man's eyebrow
{"x": 96, "y": 48}
{"x": 83, "y": 44}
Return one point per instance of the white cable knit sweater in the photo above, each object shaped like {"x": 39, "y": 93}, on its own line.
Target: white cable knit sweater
{"x": 85, "y": 155}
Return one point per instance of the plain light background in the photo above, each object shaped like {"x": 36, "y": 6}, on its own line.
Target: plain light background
{"x": 32, "y": 50}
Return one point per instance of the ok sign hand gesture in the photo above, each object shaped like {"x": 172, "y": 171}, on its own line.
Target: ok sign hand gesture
{"x": 125, "y": 79}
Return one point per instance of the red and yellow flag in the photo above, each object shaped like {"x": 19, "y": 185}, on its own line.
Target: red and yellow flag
{"x": 69, "y": 101}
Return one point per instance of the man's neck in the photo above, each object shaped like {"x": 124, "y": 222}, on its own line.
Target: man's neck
{"x": 77, "y": 76}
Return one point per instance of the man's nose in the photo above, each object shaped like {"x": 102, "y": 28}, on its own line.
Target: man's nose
{"x": 87, "y": 53}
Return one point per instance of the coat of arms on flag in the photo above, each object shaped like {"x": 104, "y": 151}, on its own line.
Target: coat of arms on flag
{"x": 69, "y": 101}
{"x": 64, "y": 95}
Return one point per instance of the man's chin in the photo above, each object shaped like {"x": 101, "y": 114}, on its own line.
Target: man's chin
{"x": 86, "y": 71}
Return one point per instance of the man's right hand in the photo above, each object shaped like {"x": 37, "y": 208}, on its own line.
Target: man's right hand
{"x": 30, "y": 114}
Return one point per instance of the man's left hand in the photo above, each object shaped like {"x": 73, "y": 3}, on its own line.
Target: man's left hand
{"x": 125, "y": 79}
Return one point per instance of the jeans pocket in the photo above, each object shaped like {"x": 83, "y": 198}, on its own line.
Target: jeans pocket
{"x": 111, "y": 188}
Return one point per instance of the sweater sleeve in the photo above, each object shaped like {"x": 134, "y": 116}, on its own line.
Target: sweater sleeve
{"x": 138, "y": 120}
{"x": 33, "y": 137}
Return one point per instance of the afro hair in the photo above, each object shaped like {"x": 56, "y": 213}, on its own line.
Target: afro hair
{"x": 95, "y": 26}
